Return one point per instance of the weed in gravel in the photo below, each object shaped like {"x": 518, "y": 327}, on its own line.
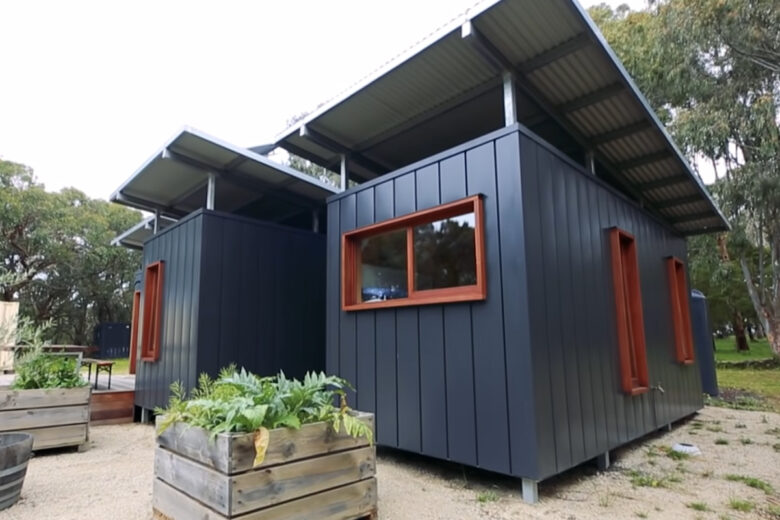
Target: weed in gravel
{"x": 677, "y": 455}
{"x": 708, "y": 474}
{"x": 764, "y": 419}
{"x": 642, "y": 479}
{"x": 773, "y": 512}
{"x": 776, "y": 447}
{"x": 753, "y": 482}
{"x": 721, "y": 441}
{"x": 744, "y": 506}
{"x": 676, "y": 479}
{"x": 740, "y": 426}
{"x": 697, "y": 424}
{"x": 698, "y": 506}
{"x": 714, "y": 429}
{"x": 605, "y": 500}
{"x": 641, "y": 514}
{"x": 487, "y": 496}
{"x": 745, "y": 440}
{"x": 773, "y": 431}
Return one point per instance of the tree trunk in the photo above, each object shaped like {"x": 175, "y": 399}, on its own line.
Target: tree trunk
{"x": 773, "y": 336}
{"x": 739, "y": 333}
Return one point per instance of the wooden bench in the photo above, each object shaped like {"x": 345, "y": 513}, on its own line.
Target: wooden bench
{"x": 100, "y": 364}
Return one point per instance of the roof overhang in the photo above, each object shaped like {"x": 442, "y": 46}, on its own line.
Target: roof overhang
{"x": 570, "y": 88}
{"x": 135, "y": 237}
{"x": 174, "y": 181}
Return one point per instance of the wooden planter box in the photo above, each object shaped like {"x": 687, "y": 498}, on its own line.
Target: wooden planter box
{"x": 55, "y": 417}
{"x": 308, "y": 473}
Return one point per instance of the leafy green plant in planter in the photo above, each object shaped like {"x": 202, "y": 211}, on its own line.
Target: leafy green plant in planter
{"x": 38, "y": 369}
{"x": 241, "y": 402}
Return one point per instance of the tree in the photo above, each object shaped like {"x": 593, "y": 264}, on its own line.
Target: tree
{"x": 57, "y": 257}
{"x": 711, "y": 68}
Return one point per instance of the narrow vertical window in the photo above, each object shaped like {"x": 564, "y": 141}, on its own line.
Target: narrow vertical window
{"x": 681, "y": 312}
{"x": 628, "y": 307}
{"x": 134, "y": 330}
{"x": 152, "y": 318}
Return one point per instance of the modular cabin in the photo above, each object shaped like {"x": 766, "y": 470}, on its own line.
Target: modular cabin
{"x": 233, "y": 265}
{"x": 505, "y": 282}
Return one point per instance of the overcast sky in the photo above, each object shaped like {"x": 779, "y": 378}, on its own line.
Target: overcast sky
{"x": 91, "y": 89}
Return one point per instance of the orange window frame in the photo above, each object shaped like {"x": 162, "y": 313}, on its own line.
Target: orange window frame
{"x": 350, "y": 258}
{"x": 152, "y": 317}
{"x": 681, "y": 311}
{"x": 629, "y": 316}
{"x": 134, "y": 330}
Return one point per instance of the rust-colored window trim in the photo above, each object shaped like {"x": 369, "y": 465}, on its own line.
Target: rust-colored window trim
{"x": 628, "y": 305}
{"x": 350, "y": 258}
{"x": 134, "y": 330}
{"x": 152, "y": 317}
{"x": 681, "y": 311}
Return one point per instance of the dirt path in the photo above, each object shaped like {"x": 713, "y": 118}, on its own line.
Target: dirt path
{"x": 113, "y": 479}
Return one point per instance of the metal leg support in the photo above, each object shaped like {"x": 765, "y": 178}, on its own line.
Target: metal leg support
{"x": 669, "y": 427}
{"x": 602, "y": 461}
{"x": 144, "y": 416}
{"x": 530, "y": 491}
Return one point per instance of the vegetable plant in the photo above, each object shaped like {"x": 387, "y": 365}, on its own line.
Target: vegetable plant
{"x": 241, "y": 402}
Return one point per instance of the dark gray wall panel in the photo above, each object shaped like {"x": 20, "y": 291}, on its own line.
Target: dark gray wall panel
{"x": 333, "y": 286}
{"x": 568, "y": 215}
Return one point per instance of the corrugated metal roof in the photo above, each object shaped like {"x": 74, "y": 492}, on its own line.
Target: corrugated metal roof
{"x": 173, "y": 181}
{"x": 135, "y": 237}
{"x": 447, "y": 88}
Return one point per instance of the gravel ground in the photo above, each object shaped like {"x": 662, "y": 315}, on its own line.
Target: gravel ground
{"x": 113, "y": 479}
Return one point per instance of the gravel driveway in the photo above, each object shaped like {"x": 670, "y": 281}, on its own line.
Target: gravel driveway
{"x": 113, "y": 479}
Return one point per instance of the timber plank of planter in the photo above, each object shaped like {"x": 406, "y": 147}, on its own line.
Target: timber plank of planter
{"x": 235, "y": 453}
{"x": 314, "y": 467}
{"x": 348, "y": 502}
{"x": 55, "y": 417}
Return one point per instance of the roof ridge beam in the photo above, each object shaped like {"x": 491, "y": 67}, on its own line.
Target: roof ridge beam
{"x": 679, "y": 201}
{"x": 331, "y": 144}
{"x": 619, "y": 133}
{"x": 555, "y": 53}
{"x": 661, "y": 183}
{"x": 692, "y": 217}
{"x": 597, "y": 96}
{"x": 644, "y": 159}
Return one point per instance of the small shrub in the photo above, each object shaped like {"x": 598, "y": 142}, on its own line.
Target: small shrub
{"x": 38, "y": 369}
{"x": 721, "y": 441}
{"x": 698, "y": 506}
{"x": 487, "y": 496}
{"x": 744, "y": 506}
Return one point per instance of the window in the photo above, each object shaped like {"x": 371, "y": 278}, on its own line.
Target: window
{"x": 628, "y": 305}
{"x": 432, "y": 256}
{"x": 681, "y": 312}
{"x": 153, "y": 292}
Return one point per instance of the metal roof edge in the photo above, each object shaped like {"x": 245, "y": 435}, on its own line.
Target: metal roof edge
{"x": 628, "y": 80}
{"x": 426, "y": 42}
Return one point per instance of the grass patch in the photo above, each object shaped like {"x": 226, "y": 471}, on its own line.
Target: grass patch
{"x": 642, "y": 479}
{"x": 745, "y": 441}
{"x": 714, "y": 429}
{"x": 773, "y": 511}
{"x": 744, "y": 506}
{"x": 698, "y": 506}
{"x": 641, "y": 514}
{"x": 750, "y": 389}
{"x": 726, "y": 350}
{"x": 721, "y": 441}
{"x": 773, "y": 431}
{"x": 605, "y": 500}
{"x": 487, "y": 496}
{"x": 776, "y": 447}
{"x": 755, "y": 483}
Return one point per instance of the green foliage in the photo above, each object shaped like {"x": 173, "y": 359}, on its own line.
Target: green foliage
{"x": 57, "y": 260}
{"x": 744, "y": 506}
{"x": 38, "y": 369}
{"x": 238, "y": 401}
{"x": 755, "y": 483}
{"x": 721, "y": 441}
{"x": 642, "y": 479}
{"x": 487, "y": 496}
{"x": 698, "y": 506}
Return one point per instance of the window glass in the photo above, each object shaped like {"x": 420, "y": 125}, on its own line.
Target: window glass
{"x": 383, "y": 267}
{"x": 445, "y": 253}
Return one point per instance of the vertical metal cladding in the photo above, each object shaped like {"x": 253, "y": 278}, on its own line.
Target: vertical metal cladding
{"x": 567, "y": 214}
{"x": 236, "y": 290}
{"x": 524, "y": 383}
{"x": 179, "y": 246}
